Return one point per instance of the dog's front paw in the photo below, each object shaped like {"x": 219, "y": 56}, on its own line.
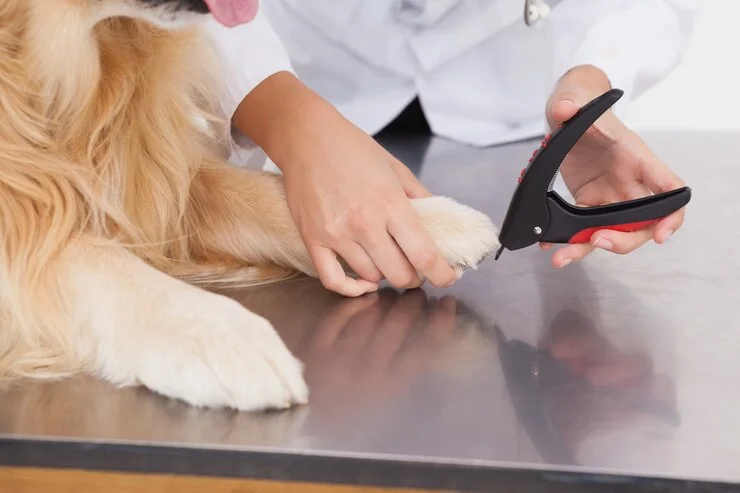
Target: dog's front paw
{"x": 210, "y": 351}
{"x": 465, "y": 235}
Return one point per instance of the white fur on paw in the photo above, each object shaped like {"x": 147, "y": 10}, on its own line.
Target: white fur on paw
{"x": 465, "y": 236}
{"x": 208, "y": 350}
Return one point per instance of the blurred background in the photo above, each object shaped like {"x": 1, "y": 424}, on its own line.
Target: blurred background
{"x": 699, "y": 94}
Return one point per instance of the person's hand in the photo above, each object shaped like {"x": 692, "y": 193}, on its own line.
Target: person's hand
{"x": 609, "y": 164}
{"x": 348, "y": 196}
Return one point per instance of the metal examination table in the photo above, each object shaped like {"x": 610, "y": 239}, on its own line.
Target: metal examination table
{"x": 615, "y": 374}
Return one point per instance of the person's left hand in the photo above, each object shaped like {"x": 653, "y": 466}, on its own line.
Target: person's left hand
{"x": 609, "y": 164}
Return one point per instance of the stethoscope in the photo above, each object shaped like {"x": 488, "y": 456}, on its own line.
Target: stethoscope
{"x": 424, "y": 12}
{"x": 535, "y": 11}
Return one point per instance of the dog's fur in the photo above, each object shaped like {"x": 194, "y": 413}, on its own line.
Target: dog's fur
{"x": 115, "y": 202}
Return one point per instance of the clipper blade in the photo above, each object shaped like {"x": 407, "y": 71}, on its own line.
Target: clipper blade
{"x": 499, "y": 252}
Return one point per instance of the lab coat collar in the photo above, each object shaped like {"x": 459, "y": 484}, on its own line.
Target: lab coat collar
{"x": 424, "y": 13}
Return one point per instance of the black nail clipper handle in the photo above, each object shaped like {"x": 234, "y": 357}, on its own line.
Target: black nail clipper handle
{"x": 528, "y": 216}
{"x": 571, "y": 224}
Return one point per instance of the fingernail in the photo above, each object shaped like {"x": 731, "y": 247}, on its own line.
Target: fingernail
{"x": 603, "y": 243}
{"x": 668, "y": 234}
{"x": 565, "y": 262}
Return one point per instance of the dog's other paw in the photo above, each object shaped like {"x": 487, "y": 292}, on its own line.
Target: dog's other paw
{"x": 210, "y": 351}
{"x": 465, "y": 235}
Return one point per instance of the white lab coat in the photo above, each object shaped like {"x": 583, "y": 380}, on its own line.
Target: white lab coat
{"x": 481, "y": 75}
{"x": 248, "y": 54}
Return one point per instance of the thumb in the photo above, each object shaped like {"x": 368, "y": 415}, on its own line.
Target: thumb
{"x": 576, "y": 88}
{"x": 562, "y": 110}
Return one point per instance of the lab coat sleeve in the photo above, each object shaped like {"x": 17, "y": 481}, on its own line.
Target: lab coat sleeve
{"x": 249, "y": 54}
{"x": 635, "y": 42}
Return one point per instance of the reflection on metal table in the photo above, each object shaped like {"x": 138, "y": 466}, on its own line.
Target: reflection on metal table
{"x": 619, "y": 373}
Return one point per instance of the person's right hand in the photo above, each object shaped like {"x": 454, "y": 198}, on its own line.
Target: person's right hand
{"x": 350, "y": 199}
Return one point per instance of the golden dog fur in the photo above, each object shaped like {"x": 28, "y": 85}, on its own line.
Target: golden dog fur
{"x": 113, "y": 195}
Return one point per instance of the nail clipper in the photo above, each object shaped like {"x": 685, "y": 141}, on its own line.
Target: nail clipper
{"x": 537, "y": 213}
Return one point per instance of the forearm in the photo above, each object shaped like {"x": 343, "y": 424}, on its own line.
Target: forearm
{"x": 257, "y": 74}
{"x": 274, "y": 110}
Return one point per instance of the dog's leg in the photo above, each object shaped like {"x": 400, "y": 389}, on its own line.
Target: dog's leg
{"x": 136, "y": 325}
{"x": 242, "y": 216}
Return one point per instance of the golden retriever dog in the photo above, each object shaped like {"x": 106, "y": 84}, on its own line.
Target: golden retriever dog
{"x": 118, "y": 208}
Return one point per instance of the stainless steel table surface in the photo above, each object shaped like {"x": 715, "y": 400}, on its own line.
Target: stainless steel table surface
{"x": 620, "y": 373}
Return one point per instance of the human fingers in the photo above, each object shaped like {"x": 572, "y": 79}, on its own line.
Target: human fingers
{"x": 570, "y": 253}
{"x": 562, "y": 109}
{"x": 416, "y": 242}
{"x": 332, "y": 274}
{"x": 620, "y": 242}
{"x": 609, "y": 240}
{"x": 654, "y": 173}
{"x": 411, "y": 185}
{"x": 359, "y": 261}
{"x": 664, "y": 229}
{"x": 390, "y": 259}
{"x": 659, "y": 178}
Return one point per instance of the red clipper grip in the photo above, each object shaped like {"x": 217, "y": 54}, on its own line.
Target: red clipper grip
{"x": 584, "y": 236}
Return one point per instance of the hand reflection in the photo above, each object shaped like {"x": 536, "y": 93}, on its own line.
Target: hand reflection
{"x": 621, "y": 388}
{"x": 368, "y": 349}
{"x": 588, "y": 354}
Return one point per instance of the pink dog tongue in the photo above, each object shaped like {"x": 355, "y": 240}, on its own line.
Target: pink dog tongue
{"x": 231, "y": 13}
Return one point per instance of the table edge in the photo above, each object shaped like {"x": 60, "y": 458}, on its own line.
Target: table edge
{"x": 311, "y": 468}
